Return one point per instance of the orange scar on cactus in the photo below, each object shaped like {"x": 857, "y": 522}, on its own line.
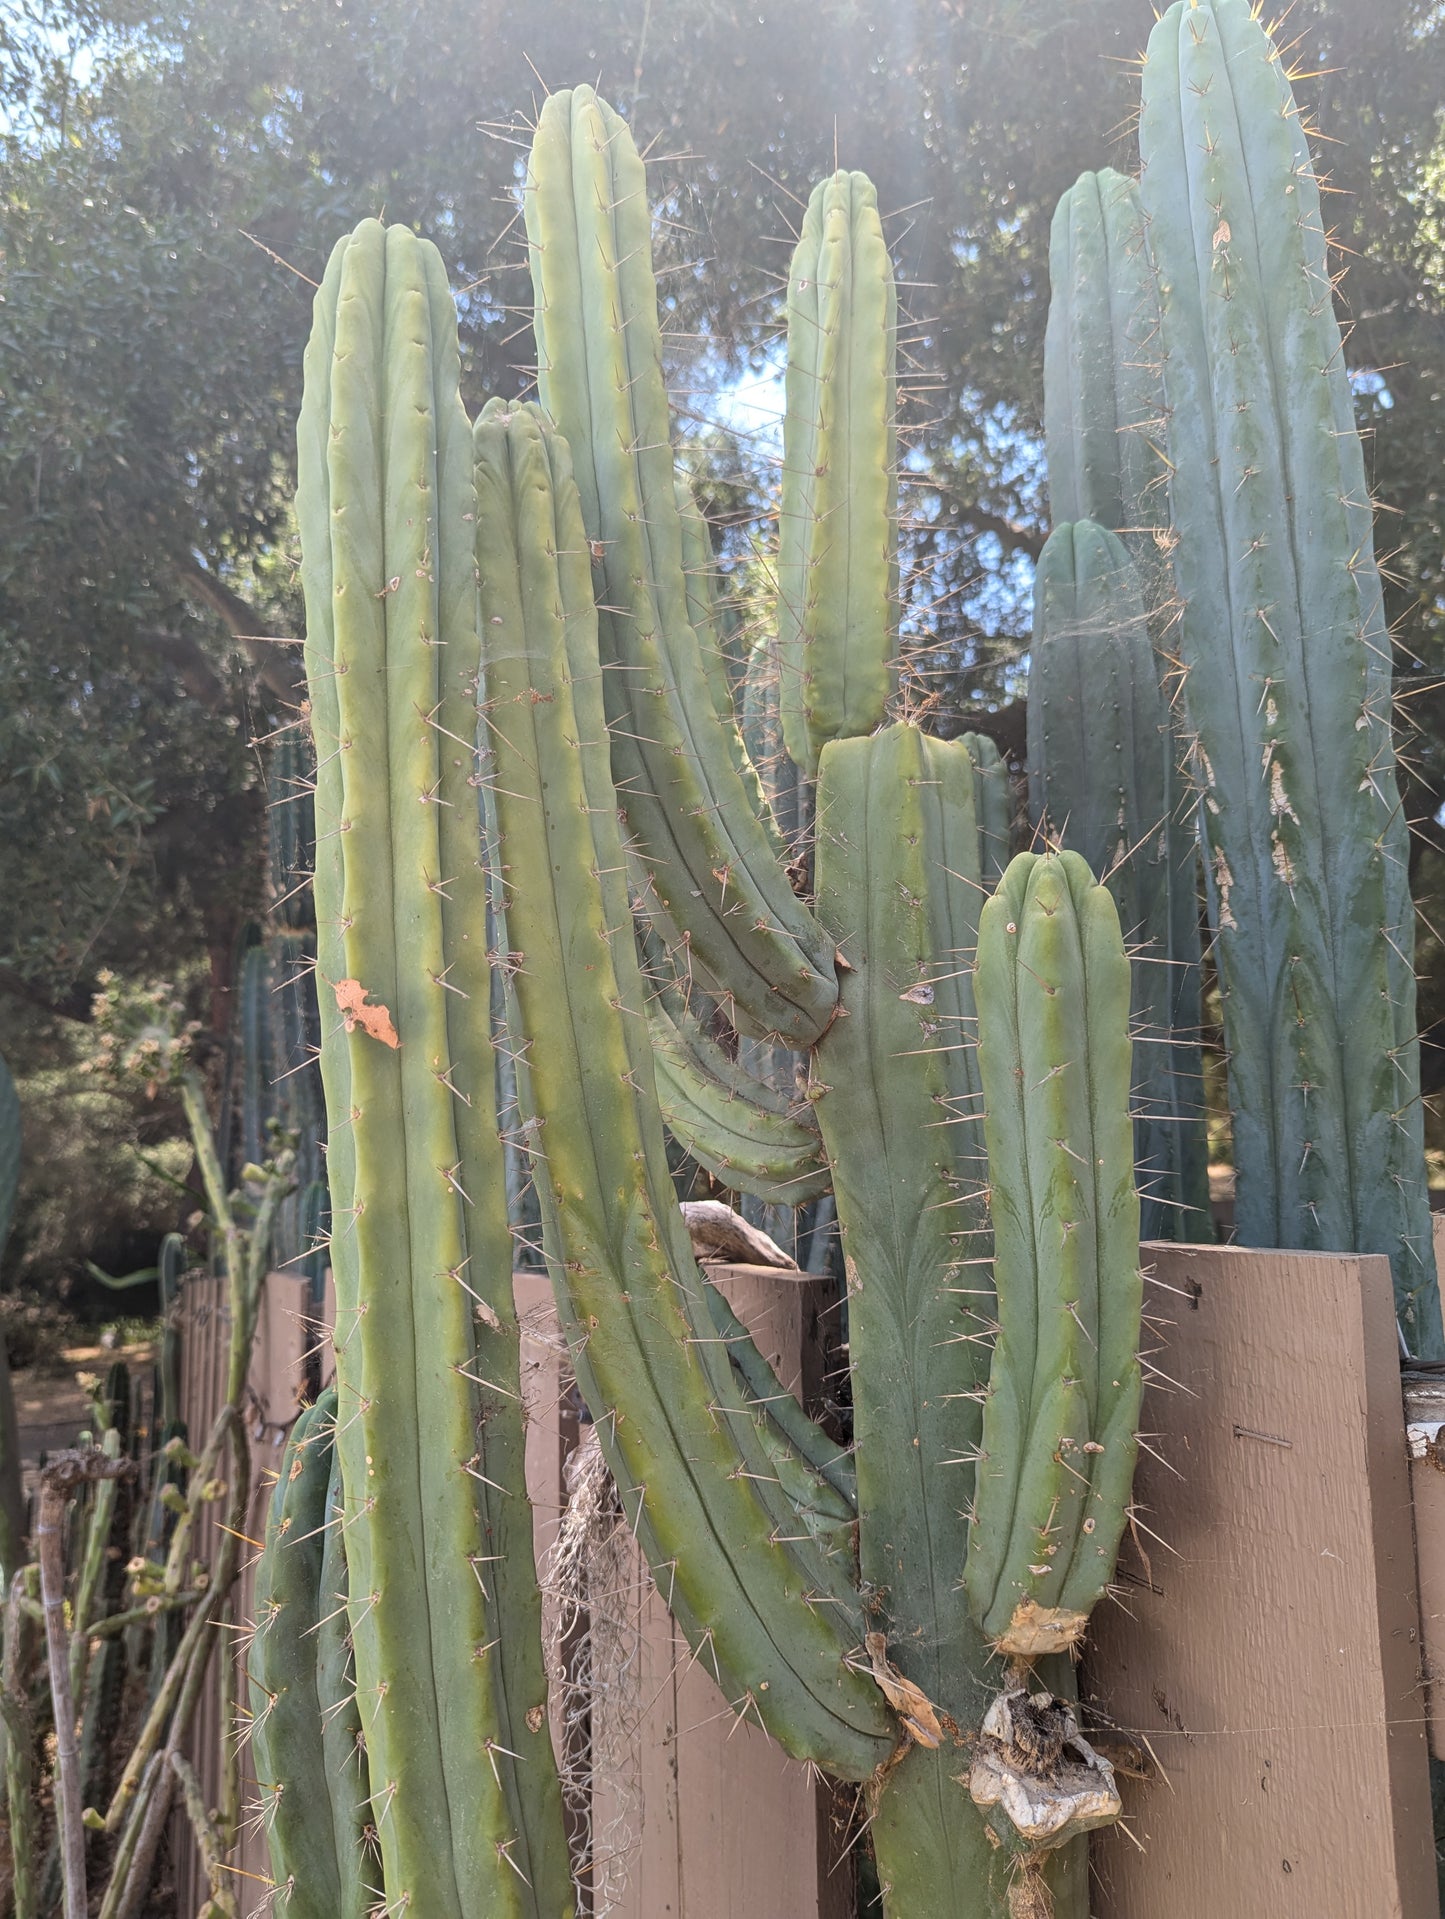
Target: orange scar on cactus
{"x": 376, "y": 1020}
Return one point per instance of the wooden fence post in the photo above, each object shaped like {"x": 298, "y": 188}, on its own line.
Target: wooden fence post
{"x": 1267, "y": 1645}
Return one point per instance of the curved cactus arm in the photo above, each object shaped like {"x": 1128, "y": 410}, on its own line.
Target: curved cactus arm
{"x": 897, "y": 1096}
{"x": 1059, "y": 1423}
{"x": 700, "y": 576}
{"x": 599, "y": 359}
{"x": 763, "y": 1387}
{"x": 730, "y": 1122}
{"x": 287, "y": 1726}
{"x": 1286, "y": 658}
{"x": 762, "y": 730}
{"x": 838, "y": 516}
{"x": 763, "y": 1604}
{"x": 420, "y": 1243}
{"x": 1100, "y": 750}
{"x": 992, "y": 806}
{"x": 1103, "y": 388}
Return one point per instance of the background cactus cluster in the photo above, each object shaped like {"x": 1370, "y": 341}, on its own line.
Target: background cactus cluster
{"x": 820, "y": 974}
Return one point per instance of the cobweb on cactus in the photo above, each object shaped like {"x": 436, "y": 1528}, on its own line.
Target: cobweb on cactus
{"x": 594, "y": 1588}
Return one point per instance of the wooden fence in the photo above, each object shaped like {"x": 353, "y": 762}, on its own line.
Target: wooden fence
{"x": 1266, "y": 1654}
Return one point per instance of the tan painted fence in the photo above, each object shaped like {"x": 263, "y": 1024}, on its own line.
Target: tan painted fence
{"x": 1266, "y": 1652}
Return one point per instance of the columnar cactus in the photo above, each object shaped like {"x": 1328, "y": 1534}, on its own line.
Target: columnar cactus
{"x": 827, "y": 1595}
{"x": 838, "y": 517}
{"x": 599, "y": 374}
{"x": 1286, "y": 660}
{"x": 1101, "y": 775}
{"x": 1060, "y": 1421}
{"x": 1103, "y": 429}
{"x": 1103, "y": 393}
{"x": 443, "y": 1603}
{"x": 305, "y": 1728}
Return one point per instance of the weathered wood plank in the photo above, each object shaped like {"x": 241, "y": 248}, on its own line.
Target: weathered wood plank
{"x": 1267, "y": 1647}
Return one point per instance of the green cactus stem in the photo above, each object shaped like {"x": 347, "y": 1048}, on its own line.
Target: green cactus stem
{"x": 992, "y": 806}
{"x": 1103, "y": 392}
{"x": 1286, "y": 657}
{"x": 444, "y": 1610}
{"x": 1104, "y": 425}
{"x": 309, "y": 1814}
{"x": 748, "y": 1585}
{"x": 1101, "y": 777}
{"x": 689, "y": 813}
{"x": 1059, "y": 1423}
{"x": 898, "y": 1099}
{"x": 733, "y": 1124}
{"x": 838, "y": 515}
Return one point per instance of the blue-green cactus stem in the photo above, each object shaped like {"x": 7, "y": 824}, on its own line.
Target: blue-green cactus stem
{"x": 599, "y": 357}
{"x": 1103, "y": 386}
{"x": 740, "y": 1129}
{"x": 838, "y": 515}
{"x": 1104, "y": 428}
{"x": 898, "y": 1099}
{"x": 772, "y": 1613}
{"x": 312, "y": 1831}
{"x": 992, "y": 805}
{"x": 1101, "y": 753}
{"x": 464, "y": 1793}
{"x": 1060, "y": 1421}
{"x": 1286, "y": 657}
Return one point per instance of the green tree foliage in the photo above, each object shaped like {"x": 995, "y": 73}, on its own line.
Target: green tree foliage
{"x": 172, "y": 174}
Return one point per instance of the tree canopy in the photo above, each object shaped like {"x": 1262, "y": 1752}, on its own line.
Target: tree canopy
{"x": 173, "y": 174}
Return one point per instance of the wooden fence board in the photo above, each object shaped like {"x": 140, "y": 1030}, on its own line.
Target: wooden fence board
{"x": 1267, "y": 1647}
{"x": 1269, "y": 1653}
{"x": 722, "y": 1821}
